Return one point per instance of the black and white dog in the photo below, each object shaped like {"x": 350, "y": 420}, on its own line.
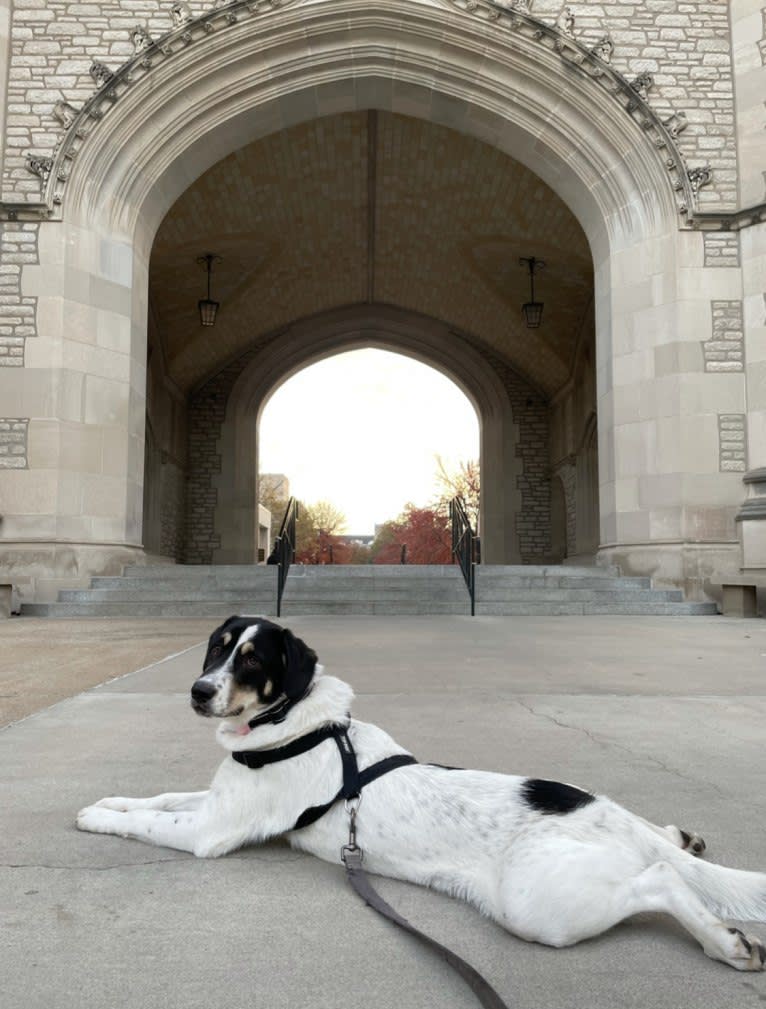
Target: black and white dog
{"x": 549, "y": 862}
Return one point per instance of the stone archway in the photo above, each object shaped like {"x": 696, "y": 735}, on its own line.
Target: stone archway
{"x": 504, "y": 78}
{"x": 384, "y": 327}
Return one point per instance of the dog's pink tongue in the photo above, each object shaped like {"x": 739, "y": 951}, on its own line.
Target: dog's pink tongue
{"x": 243, "y": 730}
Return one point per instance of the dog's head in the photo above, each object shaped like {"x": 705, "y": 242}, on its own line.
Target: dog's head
{"x": 251, "y": 663}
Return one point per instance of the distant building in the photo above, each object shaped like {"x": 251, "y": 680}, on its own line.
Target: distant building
{"x": 354, "y": 539}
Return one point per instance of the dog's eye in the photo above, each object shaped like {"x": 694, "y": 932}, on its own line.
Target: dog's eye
{"x": 251, "y": 662}
{"x": 215, "y": 651}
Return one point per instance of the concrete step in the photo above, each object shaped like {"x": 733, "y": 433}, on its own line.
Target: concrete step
{"x": 546, "y": 570}
{"x": 372, "y": 572}
{"x": 184, "y": 570}
{"x": 389, "y": 607}
{"x": 426, "y": 596}
{"x": 643, "y": 609}
{"x": 500, "y": 594}
{"x": 488, "y": 581}
{"x": 147, "y": 592}
{"x": 247, "y": 578}
{"x": 170, "y": 608}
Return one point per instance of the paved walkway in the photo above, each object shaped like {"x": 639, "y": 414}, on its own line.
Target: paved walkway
{"x": 667, "y": 715}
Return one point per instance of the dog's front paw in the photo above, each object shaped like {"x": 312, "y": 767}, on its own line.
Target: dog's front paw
{"x": 97, "y": 820}
{"x": 118, "y": 803}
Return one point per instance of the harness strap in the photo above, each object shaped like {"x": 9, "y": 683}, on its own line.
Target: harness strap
{"x": 354, "y": 780}
{"x": 362, "y": 778}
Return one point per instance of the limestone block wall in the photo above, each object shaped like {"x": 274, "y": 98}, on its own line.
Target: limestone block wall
{"x": 530, "y": 414}
{"x": 686, "y": 47}
{"x": 748, "y": 32}
{"x": 207, "y": 411}
{"x": 13, "y": 442}
{"x": 18, "y": 312}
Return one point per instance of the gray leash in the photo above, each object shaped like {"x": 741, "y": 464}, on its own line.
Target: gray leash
{"x": 351, "y": 856}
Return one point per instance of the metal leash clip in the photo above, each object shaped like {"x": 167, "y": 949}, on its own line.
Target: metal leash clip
{"x": 351, "y": 854}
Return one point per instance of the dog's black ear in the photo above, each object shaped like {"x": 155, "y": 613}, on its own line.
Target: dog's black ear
{"x": 220, "y": 630}
{"x": 300, "y": 661}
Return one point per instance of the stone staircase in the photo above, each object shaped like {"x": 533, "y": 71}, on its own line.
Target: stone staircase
{"x": 218, "y": 591}
{"x": 394, "y": 589}
{"x": 561, "y": 590}
{"x": 169, "y": 590}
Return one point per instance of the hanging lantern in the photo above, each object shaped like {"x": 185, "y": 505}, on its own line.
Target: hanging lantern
{"x": 208, "y": 309}
{"x": 533, "y": 310}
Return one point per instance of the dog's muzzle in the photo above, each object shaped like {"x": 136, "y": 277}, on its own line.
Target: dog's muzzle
{"x": 202, "y": 692}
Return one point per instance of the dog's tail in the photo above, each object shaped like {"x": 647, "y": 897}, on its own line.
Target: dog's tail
{"x": 729, "y": 893}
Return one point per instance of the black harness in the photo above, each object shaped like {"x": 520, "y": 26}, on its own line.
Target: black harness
{"x": 354, "y": 780}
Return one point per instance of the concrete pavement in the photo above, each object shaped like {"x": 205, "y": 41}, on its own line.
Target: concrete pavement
{"x": 666, "y": 715}
{"x": 41, "y": 663}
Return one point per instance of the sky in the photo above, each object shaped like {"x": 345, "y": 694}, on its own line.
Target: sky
{"x": 362, "y": 430}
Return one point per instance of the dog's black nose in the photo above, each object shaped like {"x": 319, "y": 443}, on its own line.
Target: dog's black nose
{"x": 202, "y": 691}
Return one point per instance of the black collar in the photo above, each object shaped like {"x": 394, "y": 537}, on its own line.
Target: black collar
{"x": 260, "y": 758}
{"x": 278, "y": 712}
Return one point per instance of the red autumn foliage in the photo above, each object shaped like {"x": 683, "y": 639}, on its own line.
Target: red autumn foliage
{"x": 325, "y": 548}
{"x": 425, "y": 532}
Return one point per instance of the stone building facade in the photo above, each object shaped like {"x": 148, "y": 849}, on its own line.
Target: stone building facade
{"x": 371, "y": 175}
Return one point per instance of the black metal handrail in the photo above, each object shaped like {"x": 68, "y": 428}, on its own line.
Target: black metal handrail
{"x": 465, "y": 546}
{"x": 284, "y": 548}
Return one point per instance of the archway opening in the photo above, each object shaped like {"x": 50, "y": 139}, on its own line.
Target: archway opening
{"x": 363, "y": 229}
{"x": 365, "y": 439}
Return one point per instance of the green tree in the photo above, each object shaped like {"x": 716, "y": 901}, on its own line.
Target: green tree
{"x": 317, "y": 530}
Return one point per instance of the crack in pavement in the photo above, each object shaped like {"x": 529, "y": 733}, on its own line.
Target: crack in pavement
{"x": 625, "y": 749}
{"x": 156, "y": 861}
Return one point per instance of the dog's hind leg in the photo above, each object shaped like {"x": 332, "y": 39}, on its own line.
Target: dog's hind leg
{"x": 684, "y": 839}
{"x": 170, "y": 801}
{"x": 585, "y": 893}
{"x": 661, "y": 888}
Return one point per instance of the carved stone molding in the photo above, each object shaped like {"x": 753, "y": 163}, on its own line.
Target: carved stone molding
{"x": 65, "y": 113}
{"x": 141, "y": 39}
{"x": 181, "y": 14}
{"x": 40, "y": 166}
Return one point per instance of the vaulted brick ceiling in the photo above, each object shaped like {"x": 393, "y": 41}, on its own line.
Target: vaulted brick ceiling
{"x": 370, "y": 207}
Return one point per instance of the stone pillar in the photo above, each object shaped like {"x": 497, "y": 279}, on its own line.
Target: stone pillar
{"x": 752, "y": 517}
{"x": 752, "y": 523}
{"x": 73, "y": 498}
{"x": 748, "y": 30}
{"x": 672, "y": 415}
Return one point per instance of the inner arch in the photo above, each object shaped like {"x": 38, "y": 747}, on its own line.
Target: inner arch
{"x": 371, "y": 207}
{"x": 362, "y": 429}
